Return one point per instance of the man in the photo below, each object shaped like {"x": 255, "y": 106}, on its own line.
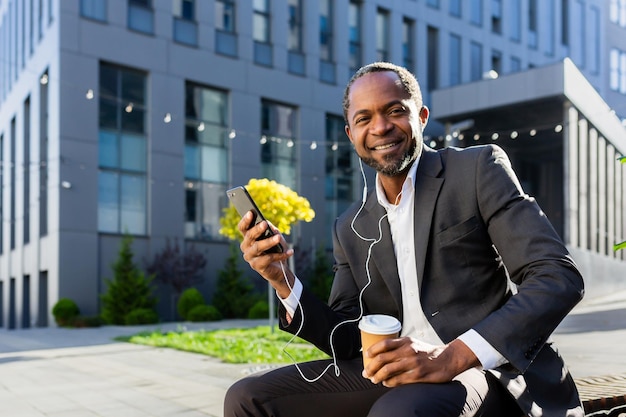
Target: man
{"x": 433, "y": 245}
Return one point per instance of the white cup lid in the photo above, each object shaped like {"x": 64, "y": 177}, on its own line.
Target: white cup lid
{"x": 380, "y": 324}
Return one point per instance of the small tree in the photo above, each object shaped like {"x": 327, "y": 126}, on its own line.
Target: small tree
{"x": 233, "y": 295}
{"x": 129, "y": 289}
{"x": 180, "y": 270}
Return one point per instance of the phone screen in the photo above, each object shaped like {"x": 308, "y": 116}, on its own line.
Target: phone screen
{"x": 243, "y": 203}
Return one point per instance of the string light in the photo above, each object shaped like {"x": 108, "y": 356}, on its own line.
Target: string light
{"x": 334, "y": 146}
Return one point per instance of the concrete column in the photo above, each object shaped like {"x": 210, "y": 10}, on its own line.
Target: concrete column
{"x": 623, "y": 210}
{"x": 570, "y": 148}
{"x": 619, "y": 206}
{"x": 602, "y": 248}
{"x": 593, "y": 190}
{"x": 610, "y": 198}
{"x": 583, "y": 178}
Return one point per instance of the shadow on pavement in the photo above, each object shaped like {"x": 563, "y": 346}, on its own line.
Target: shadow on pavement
{"x": 597, "y": 321}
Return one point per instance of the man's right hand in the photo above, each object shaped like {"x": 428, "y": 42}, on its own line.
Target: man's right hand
{"x": 267, "y": 264}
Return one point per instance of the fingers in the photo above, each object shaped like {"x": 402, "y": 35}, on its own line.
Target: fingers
{"x": 396, "y": 362}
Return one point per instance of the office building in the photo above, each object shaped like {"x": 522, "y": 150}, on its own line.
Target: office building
{"x": 135, "y": 116}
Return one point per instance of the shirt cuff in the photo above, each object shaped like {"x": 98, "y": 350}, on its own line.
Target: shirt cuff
{"x": 488, "y": 356}
{"x": 291, "y": 303}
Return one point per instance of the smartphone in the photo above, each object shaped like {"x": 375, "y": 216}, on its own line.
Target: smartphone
{"x": 243, "y": 202}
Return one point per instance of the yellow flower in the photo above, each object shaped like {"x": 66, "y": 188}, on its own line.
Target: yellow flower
{"x": 280, "y": 205}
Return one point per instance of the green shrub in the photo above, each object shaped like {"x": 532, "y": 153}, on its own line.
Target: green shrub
{"x": 129, "y": 289}
{"x": 260, "y": 310}
{"x": 64, "y": 311}
{"x": 141, "y": 316}
{"x": 234, "y": 294}
{"x": 204, "y": 313}
{"x": 189, "y": 299}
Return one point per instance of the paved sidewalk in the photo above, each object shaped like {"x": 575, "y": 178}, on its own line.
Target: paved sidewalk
{"x": 55, "y": 372}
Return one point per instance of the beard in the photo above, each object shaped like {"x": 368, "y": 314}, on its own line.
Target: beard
{"x": 393, "y": 166}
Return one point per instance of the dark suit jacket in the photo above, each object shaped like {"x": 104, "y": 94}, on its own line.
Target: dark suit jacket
{"x": 474, "y": 227}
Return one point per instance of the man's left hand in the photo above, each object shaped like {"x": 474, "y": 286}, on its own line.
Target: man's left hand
{"x": 405, "y": 361}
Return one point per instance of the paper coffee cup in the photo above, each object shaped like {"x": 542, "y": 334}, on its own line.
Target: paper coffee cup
{"x": 377, "y": 327}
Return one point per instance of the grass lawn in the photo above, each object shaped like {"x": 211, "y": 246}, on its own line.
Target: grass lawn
{"x": 258, "y": 345}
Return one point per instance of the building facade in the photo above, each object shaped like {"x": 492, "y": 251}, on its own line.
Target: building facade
{"x": 134, "y": 116}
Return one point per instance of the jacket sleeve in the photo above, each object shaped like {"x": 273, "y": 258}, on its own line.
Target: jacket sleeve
{"x": 548, "y": 282}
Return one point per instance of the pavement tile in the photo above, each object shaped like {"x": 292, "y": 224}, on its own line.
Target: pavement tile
{"x": 83, "y": 372}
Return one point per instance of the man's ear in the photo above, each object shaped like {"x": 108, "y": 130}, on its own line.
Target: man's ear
{"x": 348, "y": 133}
{"x": 424, "y": 113}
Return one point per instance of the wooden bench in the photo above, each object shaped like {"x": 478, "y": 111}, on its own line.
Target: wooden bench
{"x": 603, "y": 395}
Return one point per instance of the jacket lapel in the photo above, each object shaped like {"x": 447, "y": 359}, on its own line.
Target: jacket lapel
{"x": 427, "y": 187}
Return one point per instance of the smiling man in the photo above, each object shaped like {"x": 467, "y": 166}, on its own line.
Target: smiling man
{"x": 434, "y": 244}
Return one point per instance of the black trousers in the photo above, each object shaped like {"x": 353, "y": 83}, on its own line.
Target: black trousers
{"x": 283, "y": 392}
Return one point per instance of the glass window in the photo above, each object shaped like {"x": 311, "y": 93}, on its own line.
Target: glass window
{"x": 122, "y": 151}
{"x": 295, "y": 57}
{"x": 342, "y": 175}
{"x": 565, "y": 22}
{"x": 455, "y": 59}
{"x": 516, "y": 20}
{"x": 548, "y": 26}
{"x": 455, "y": 8}
{"x": 184, "y": 9}
{"x": 294, "y": 39}
{"x": 496, "y": 61}
{"x": 382, "y": 35}
{"x": 278, "y": 150}
{"x": 408, "y": 26}
{"x": 617, "y": 12}
{"x": 93, "y": 9}
{"x": 261, "y": 21}
{"x": 476, "y": 12}
{"x": 532, "y": 23}
{"x": 206, "y": 160}
{"x": 354, "y": 28}
{"x": 433, "y": 59}
{"x": 622, "y": 73}
{"x": 476, "y": 57}
{"x": 225, "y": 15}
{"x": 516, "y": 64}
{"x": 185, "y": 26}
{"x": 141, "y": 16}
{"x": 496, "y": 16}
{"x": 433, "y": 3}
{"x": 594, "y": 30}
{"x": 326, "y": 30}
